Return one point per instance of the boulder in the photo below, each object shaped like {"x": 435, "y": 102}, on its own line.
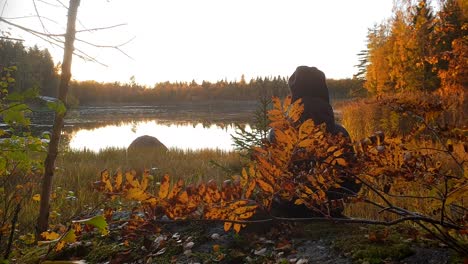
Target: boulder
{"x": 146, "y": 144}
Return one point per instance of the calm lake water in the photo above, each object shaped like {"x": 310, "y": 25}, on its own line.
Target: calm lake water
{"x": 187, "y": 126}
{"x": 181, "y": 135}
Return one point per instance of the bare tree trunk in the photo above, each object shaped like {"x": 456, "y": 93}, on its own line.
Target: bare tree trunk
{"x": 43, "y": 220}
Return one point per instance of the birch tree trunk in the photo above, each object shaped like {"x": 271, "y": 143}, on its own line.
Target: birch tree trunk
{"x": 49, "y": 164}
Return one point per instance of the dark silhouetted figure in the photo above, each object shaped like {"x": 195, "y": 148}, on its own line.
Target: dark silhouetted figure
{"x": 309, "y": 84}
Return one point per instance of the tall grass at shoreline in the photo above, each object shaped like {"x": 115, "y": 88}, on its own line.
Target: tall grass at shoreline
{"x": 76, "y": 171}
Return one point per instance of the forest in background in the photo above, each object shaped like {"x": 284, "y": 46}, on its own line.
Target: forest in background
{"x": 418, "y": 49}
{"x": 36, "y": 69}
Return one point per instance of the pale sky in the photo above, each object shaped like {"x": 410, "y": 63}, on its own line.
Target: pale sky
{"x": 181, "y": 40}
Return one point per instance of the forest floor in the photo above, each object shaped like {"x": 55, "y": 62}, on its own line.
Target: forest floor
{"x": 200, "y": 242}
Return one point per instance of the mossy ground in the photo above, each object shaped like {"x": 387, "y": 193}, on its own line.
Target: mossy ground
{"x": 319, "y": 242}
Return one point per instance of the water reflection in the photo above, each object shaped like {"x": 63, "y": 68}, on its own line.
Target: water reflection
{"x": 182, "y": 135}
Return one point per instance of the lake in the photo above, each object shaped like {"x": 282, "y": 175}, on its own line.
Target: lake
{"x": 187, "y": 126}
{"x": 181, "y": 135}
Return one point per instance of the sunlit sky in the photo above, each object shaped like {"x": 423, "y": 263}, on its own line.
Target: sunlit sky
{"x": 184, "y": 40}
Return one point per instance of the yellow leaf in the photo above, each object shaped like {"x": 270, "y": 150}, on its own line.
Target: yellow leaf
{"x": 164, "y": 188}
{"x": 244, "y": 209}
{"x": 308, "y": 190}
{"x": 320, "y": 179}
{"x": 70, "y": 236}
{"x": 37, "y": 197}
{"x": 130, "y": 177}
{"x": 244, "y": 178}
{"x": 227, "y": 226}
{"x": 145, "y": 180}
{"x": 118, "y": 180}
{"x": 298, "y": 202}
{"x": 60, "y": 245}
{"x": 105, "y": 178}
{"x": 50, "y": 235}
{"x": 246, "y": 215}
{"x": 136, "y": 194}
{"x": 251, "y": 171}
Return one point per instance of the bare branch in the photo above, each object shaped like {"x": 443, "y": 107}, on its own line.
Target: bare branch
{"x": 117, "y": 47}
{"x": 318, "y": 219}
{"x": 62, "y": 4}
{"x": 3, "y": 8}
{"x": 11, "y": 38}
{"x": 24, "y": 17}
{"x": 39, "y": 17}
{"x": 31, "y": 30}
{"x": 100, "y": 28}
{"x": 47, "y": 3}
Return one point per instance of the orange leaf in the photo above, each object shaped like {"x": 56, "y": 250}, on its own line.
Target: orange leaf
{"x": 306, "y": 143}
{"x": 183, "y": 197}
{"x": 296, "y": 110}
{"x": 338, "y": 153}
{"x": 237, "y": 228}
{"x": 176, "y": 189}
{"x": 265, "y": 186}
{"x": 306, "y": 128}
{"x": 332, "y": 149}
{"x": 286, "y": 103}
{"x": 216, "y": 248}
{"x": 250, "y": 189}
{"x": 276, "y": 102}
{"x": 227, "y": 226}
{"x": 50, "y": 235}
{"x": 60, "y": 245}
{"x": 164, "y": 188}
{"x": 341, "y": 162}
{"x": 298, "y": 202}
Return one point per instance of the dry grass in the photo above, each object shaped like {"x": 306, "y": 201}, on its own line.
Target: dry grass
{"x": 78, "y": 170}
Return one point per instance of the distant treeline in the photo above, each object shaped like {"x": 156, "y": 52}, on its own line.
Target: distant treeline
{"x": 35, "y": 68}
{"x": 91, "y": 92}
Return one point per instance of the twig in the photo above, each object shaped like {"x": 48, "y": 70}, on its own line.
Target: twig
{"x": 316, "y": 219}
{"x": 12, "y": 232}
{"x": 39, "y": 16}
{"x": 100, "y": 28}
